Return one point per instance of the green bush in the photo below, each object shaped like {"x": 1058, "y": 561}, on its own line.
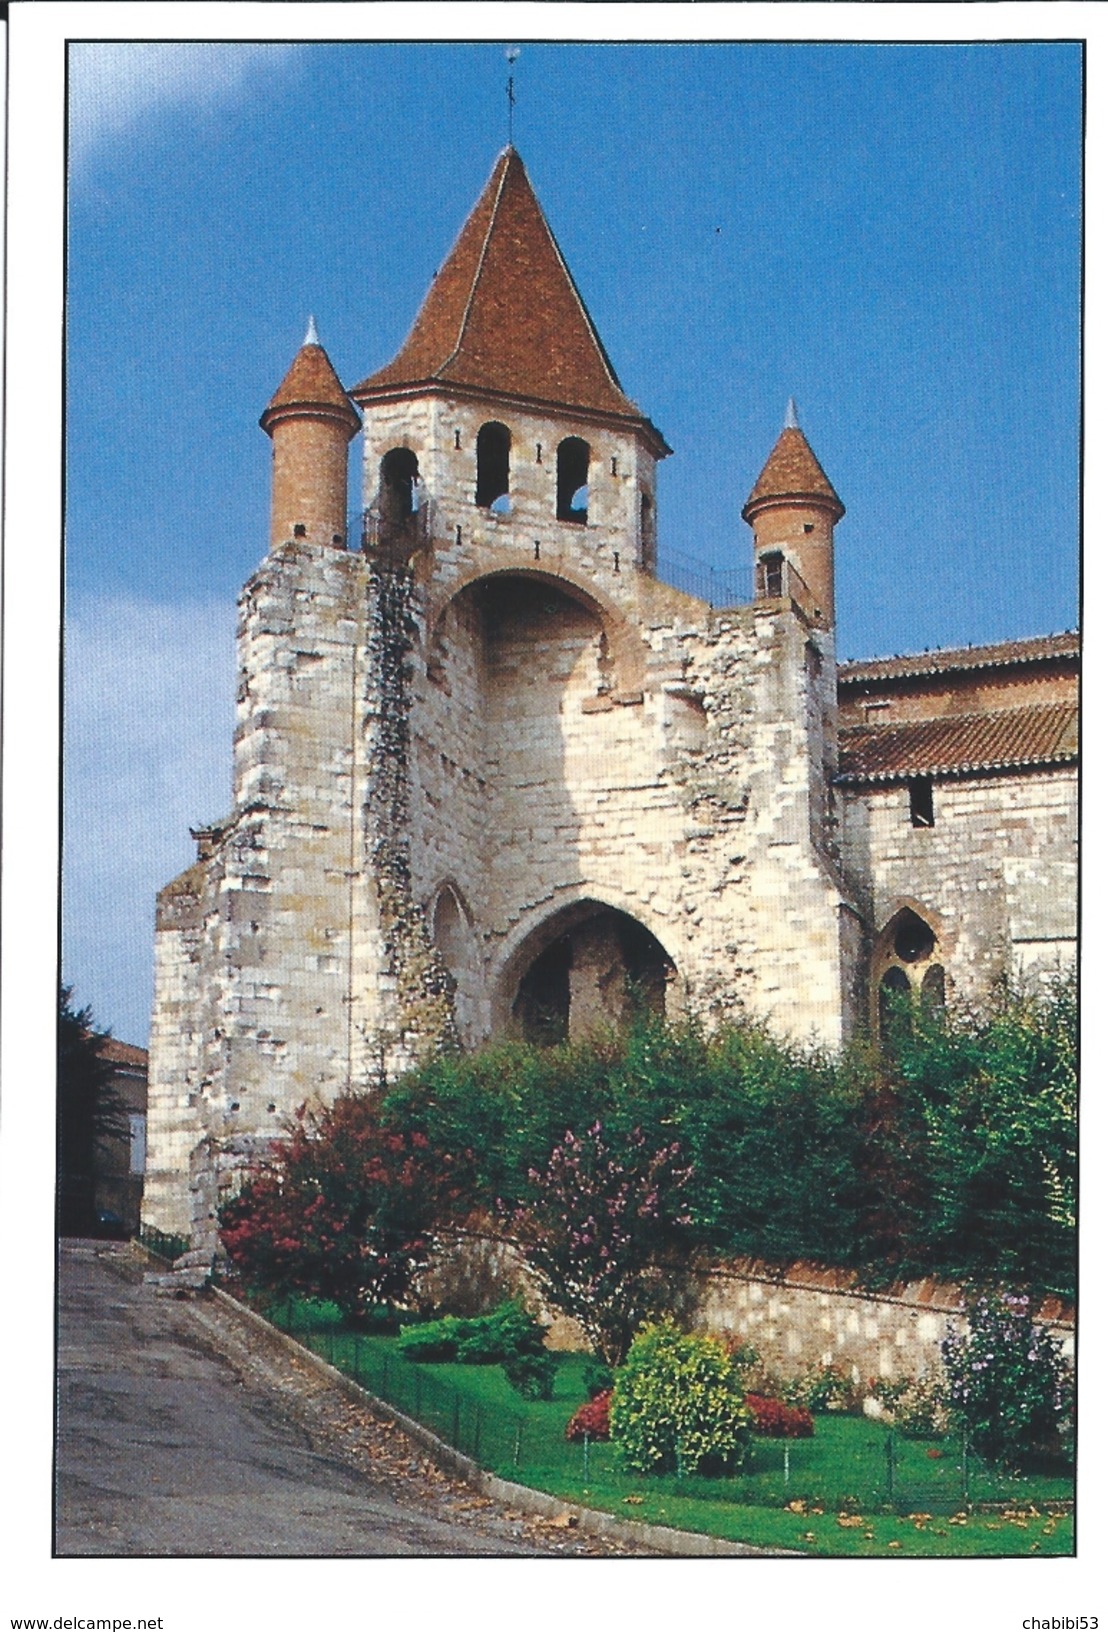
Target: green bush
{"x": 597, "y": 1378}
{"x": 532, "y": 1375}
{"x": 507, "y": 1333}
{"x": 950, "y": 1152}
{"x": 678, "y": 1405}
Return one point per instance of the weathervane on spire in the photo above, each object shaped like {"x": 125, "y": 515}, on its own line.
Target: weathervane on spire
{"x": 512, "y": 55}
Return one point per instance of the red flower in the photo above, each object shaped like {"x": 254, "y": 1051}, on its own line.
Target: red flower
{"x": 591, "y": 1418}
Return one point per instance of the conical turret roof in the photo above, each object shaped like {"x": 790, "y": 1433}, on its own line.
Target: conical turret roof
{"x": 792, "y": 471}
{"x": 311, "y": 386}
{"x": 504, "y": 316}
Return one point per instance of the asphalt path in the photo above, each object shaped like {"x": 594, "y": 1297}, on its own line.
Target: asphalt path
{"x": 178, "y": 1438}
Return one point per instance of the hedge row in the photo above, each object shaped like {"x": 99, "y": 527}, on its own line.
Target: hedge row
{"x": 951, "y": 1151}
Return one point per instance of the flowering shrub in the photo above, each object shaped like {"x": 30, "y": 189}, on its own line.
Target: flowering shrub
{"x": 918, "y": 1406}
{"x": 343, "y": 1210}
{"x": 1007, "y": 1382}
{"x": 591, "y": 1418}
{"x": 773, "y": 1419}
{"x": 599, "y": 1222}
{"x": 677, "y": 1405}
{"x": 822, "y": 1388}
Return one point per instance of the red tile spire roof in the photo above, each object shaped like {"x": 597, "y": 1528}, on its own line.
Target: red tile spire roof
{"x": 311, "y": 386}
{"x": 792, "y": 471}
{"x": 504, "y": 316}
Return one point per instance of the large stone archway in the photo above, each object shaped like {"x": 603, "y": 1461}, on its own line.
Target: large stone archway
{"x": 587, "y": 966}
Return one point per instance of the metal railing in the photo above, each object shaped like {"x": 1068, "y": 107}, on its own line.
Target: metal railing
{"x": 169, "y": 1247}
{"x": 495, "y": 1439}
{"x": 719, "y": 586}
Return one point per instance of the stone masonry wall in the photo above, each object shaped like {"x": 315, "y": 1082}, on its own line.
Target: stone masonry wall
{"x": 996, "y": 872}
{"x": 802, "y": 1317}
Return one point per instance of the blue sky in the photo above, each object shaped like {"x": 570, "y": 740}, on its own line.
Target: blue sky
{"x": 888, "y": 233}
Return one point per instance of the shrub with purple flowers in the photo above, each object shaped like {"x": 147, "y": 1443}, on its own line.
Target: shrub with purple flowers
{"x": 599, "y": 1226}
{"x": 1007, "y": 1382}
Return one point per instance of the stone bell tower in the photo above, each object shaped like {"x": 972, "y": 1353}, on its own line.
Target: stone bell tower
{"x": 490, "y": 772}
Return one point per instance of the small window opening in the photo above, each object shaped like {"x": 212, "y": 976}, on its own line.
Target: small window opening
{"x": 300, "y": 531}
{"x": 615, "y": 466}
{"x": 573, "y": 480}
{"x": 807, "y": 526}
{"x": 538, "y": 453}
{"x": 913, "y": 941}
{"x": 921, "y": 802}
{"x": 399, "y": 489}
{"x": 457, "y": 439}
{"x": 493, "y": 443}
{"x": 933, "y": 988}
{"x": 773, "y": 575}
{"x": 891, "y": 1005}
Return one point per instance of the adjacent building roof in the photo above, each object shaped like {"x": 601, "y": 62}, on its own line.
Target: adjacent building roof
{"x": 792, "y": 471}
{"x": 1035, "y": 650}
{"x": 504, "y": 315}
{"x": 1005, "y": 739}
{"x": 310, "y": 385}
{"x": 117, "y": 1053}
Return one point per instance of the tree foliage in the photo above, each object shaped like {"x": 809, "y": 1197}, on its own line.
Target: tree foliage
{"x": 986, "y": 1119}
{"x": 951, "y": 1152}
{"x": 344, "y": 1209}
{"x": 89, "y": 1113}
{"x": 600, "y": 1224}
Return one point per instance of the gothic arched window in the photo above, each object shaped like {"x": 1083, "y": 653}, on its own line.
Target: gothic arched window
{"x": 573, "y": 480}
{"x": 494, "y": 442}
{"x": 905, "y": 963}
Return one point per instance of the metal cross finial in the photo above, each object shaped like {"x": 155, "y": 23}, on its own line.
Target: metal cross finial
{"x": 312, "y": 337}
{"x": 512, "y": 55}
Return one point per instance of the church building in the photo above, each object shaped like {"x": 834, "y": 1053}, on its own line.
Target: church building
{"x": 493, "y": 775}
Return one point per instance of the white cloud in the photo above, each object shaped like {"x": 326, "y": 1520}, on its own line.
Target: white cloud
{"x": 115, "y": 88}
{"x": 148, "y": 726}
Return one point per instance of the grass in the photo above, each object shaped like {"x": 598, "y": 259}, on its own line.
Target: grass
{"x": 837, "y": 1495}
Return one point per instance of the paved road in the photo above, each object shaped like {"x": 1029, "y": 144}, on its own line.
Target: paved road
{"x": 177, "y": 1437}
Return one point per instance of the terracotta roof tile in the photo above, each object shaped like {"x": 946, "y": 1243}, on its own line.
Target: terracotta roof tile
{"x": 791, "y": 471}
{"x": 504, "y": 314}
{"x": 1007, "y": 739}
{"x": 1002, "y": 655}
{"x": 122, "y": 1053}
{"x": 311, "y": 382}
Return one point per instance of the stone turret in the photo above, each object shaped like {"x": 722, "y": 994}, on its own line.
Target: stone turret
{"x": 311, "y": 421}
{"x": 793, "y": 510}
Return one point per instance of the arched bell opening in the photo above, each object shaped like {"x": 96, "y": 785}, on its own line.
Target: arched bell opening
{"x": 494, "y": 444}
{"x": 398, "y": 487}
{"x": 588, "y": 968}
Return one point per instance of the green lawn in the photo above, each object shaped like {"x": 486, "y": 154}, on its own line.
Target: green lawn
{"x": 836, "y": 1495}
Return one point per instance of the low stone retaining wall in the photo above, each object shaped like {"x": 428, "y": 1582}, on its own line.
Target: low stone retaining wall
{"x": 805, "y": 1315}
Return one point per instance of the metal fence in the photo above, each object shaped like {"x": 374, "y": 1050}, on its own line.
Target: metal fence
{"x": 885, "y": 1476}
{"x": 495, "y": 1439}
{"x": 161, "y": 1244}
{"x": 719, "y": 586}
